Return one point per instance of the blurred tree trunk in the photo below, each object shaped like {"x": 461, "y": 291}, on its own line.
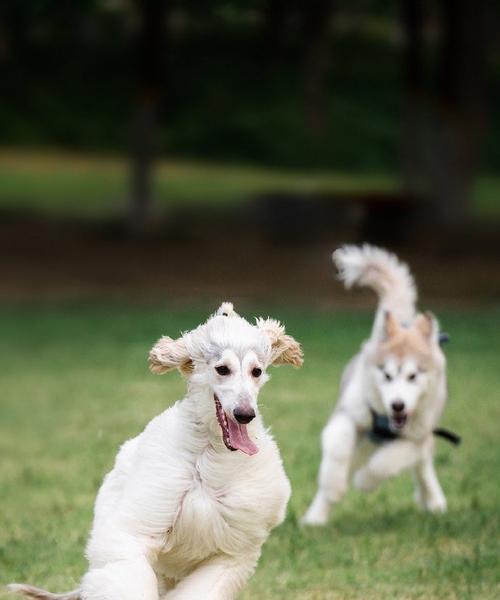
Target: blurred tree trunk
{"x": 444, "y": 127}
{"x": 461, "y": 97}
{"x": 317, "y": 19}
{"x": 414, "y": 127}
{"x": 275, "y": 13}
{"x": 150, "y": 30}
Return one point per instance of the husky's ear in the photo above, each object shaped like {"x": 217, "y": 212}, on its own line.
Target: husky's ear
{"x": 168, "y": 354}
{"x": 285, "y": 350}
{"x": 391, "y": 326}
{"x": 426, "y": 324}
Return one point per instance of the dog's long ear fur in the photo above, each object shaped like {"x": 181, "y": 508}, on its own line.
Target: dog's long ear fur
{"x": 168, "y": 354}
{"x": 285, "y": 350}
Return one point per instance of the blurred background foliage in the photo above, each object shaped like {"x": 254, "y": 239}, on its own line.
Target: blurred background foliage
{"x": 233, "y": 90}
{"x": 236, "y": 78}
{"x": 305, "y": 122}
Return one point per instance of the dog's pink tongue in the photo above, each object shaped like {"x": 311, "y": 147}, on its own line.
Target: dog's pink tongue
{"x": 238, "y": 438}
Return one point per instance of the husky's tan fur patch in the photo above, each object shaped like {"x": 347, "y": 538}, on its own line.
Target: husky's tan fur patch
{"x": 423, "y": 322}
{"x": 403, "y": 342}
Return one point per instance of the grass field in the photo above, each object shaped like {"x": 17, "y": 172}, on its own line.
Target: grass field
{"x": 94, "y": 186}
{"x": 75, "y": 385}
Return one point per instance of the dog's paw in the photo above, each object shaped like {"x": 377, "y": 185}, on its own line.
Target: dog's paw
{"x": 313, "y": 520}
{"x": 317, "y": 514}
{"x": 437, "y": 505}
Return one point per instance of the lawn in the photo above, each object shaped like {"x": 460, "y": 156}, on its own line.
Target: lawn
{"x": 94, "y": 186}
{"x": 75, "y": 385}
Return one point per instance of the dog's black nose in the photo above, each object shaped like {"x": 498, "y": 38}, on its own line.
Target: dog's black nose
{"x": 398, "y": 406}
{"x": 244, "y": 415}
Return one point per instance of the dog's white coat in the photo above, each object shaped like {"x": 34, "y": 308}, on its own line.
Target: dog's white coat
{"x": 181, "y": 517}
{"x": 365, "y": 384}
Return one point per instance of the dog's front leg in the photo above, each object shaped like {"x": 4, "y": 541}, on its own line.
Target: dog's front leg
{"x": 219, "y": 578}
{"x": 132, "y": 579}
{"x": 338, "y": 443}
{"x": 428, "y": 490}
{"x": 389, "y": 460}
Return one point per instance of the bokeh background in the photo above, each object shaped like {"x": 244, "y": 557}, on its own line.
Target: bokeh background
{"x": 158, "y": 157}
{"x": 202, "y": 149}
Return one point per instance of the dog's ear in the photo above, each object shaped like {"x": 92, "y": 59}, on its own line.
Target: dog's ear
{"x": 168, "y": 354}
{"x": 391, "y": 326}
{"x": 285, "y": 350}
{"x": 426, "y": 325}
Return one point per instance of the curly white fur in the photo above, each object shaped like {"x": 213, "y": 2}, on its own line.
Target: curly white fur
{"x": 180, "y": 516}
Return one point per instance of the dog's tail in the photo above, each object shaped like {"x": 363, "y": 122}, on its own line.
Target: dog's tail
{"x": 38, "y": 594}
{"x": 380, "y": 270}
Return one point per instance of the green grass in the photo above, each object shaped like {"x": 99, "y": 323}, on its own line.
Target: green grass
{"x": 56, "y": 184}
{"x": 93, "y": 186}
{"x": 487, "y": 197}
{"x": 75, "y": 385}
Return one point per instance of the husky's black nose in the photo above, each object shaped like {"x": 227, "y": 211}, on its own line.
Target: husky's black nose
{"x": 244, "y": 415}
{"x": 398, "y": 406}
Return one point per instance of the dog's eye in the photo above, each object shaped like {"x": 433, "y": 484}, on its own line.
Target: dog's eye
{"x": 387, "y": 376}
{"x": 412, "y": 377}
{"x": 223, "y": 370}
{"x": 256, "y": 372}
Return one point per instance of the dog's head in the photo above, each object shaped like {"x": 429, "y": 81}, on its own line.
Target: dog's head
{"x": 403, "y": 363}
{"x": 229, "y": 356}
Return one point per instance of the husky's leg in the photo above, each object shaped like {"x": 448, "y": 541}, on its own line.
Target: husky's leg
{"x": 428, "y": 491}
{"x": 132, "y": 579}
{"x": 338, "y": 443}
{"x": 219, "y": 578}
{"x": 387, "y": 461}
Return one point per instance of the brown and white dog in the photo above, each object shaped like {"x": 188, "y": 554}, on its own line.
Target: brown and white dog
{"x": 392, "y": 392}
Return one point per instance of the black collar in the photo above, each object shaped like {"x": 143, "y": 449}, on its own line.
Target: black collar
{"x": 381, "y": 431}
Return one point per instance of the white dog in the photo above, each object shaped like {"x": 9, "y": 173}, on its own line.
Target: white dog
{"x": 391, "y": 395}
{"x": 189, "y": 502}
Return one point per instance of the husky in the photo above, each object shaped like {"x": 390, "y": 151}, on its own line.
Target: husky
{"x": 392, "y": 393}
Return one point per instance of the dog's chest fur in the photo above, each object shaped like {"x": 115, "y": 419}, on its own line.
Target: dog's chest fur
{"x": 229, "y": 515}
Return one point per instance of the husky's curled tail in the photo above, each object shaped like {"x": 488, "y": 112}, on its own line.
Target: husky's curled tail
{"x": 372, "y": 267}
{"x": 38, "y": 594}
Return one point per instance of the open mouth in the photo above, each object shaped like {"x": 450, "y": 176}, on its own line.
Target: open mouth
{"x": 234, "y": 435}
{"x": 398, "y": 421}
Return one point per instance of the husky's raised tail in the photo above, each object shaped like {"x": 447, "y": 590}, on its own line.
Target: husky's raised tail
{"x": 368, "y": 266}
{"x": 39, "y": 594}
